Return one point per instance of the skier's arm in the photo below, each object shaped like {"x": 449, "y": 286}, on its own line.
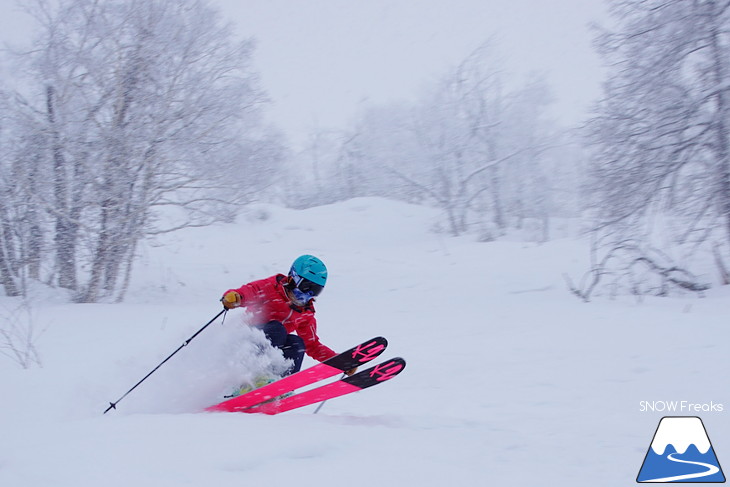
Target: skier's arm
{"x": 314, "y": 348}
{"x": 242, "y": 296}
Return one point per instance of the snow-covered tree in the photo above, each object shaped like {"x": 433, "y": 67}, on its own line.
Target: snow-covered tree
{"x": 470, "y": 146}
{"x": 661, "y": 171}
{"x": 139, "y": 117}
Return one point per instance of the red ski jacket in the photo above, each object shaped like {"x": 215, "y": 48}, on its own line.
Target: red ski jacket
{"x": 266, "y": 300}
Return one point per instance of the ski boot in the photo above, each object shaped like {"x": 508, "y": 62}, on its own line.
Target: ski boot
{"x": 259, "y": 381}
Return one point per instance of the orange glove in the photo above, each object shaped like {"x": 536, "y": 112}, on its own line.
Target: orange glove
{"x": 231, "y": 299}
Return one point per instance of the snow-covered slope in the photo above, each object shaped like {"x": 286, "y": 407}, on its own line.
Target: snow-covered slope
{"x": 510, "y": 379}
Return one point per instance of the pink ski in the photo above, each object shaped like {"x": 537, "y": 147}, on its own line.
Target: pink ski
{"x": 362, "y": 380}
{"x": 347, "y": 360}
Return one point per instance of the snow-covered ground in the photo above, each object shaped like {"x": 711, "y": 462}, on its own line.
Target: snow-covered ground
{"x": 510, "y": 379}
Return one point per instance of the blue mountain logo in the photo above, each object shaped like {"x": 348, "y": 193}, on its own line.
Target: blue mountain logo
{"x": 681, "y": 452}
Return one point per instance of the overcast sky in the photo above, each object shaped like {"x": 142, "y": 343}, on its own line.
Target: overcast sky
{"x": 323, "y": 60}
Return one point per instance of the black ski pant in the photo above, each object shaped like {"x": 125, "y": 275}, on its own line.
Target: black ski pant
{"x": 291, "y": 345}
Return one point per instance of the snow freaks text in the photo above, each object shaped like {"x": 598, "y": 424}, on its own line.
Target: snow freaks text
{"x": 680, "y": 407}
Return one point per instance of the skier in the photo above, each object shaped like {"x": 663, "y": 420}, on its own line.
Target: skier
{"x": 282, "y": 305}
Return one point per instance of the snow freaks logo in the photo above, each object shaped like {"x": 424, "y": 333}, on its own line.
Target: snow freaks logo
{"x": 680, "y": 407}
{"x": 680, "y": 452}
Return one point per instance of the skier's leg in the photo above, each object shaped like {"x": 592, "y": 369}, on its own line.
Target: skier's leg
{"x": 275, "y": 333}
{"x": 291, "y": 345}
{"x": 294, "y": 350}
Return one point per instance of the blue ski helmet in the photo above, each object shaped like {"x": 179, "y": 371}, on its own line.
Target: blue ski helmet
{"x": 307, "y": 278}
{"x": 311, "y": 268}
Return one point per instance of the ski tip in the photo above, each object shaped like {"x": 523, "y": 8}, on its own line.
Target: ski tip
{"x": 382, "y": 372}
{"x": 358, "y": 355}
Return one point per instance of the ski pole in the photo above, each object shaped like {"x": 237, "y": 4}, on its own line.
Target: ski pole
{"x": 322, "y": 403}
{"x": 113, "y": 405}
{"x": 319, "y": 407}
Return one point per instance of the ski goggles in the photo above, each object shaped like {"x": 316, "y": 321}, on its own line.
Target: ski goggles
{"x": 304, "y": 289}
